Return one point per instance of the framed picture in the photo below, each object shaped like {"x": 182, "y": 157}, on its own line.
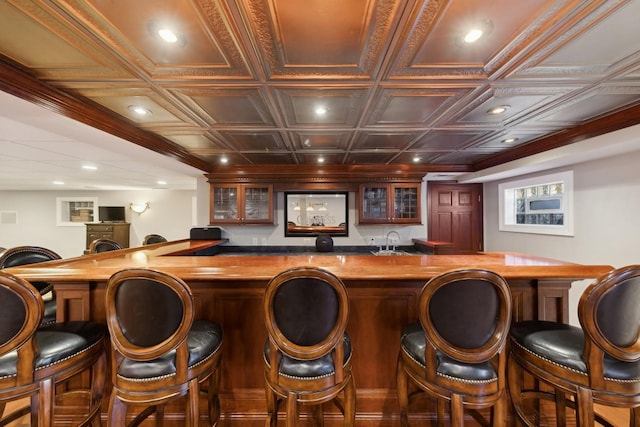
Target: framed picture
{"x": 75, "y": 211}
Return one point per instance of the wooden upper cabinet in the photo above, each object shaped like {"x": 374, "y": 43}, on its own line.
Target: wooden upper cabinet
{"x": 241, "y": 203}
{"x": 389, "y": 203}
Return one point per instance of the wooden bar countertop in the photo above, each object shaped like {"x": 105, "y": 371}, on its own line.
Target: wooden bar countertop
{"x": 175, "y": 257}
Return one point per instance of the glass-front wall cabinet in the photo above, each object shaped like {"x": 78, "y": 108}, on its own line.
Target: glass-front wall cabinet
{"x": 243, "y": 203}
{"x": 389, "y": 204}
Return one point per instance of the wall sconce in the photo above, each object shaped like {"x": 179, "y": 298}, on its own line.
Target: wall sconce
{"x": 139, "y": 207}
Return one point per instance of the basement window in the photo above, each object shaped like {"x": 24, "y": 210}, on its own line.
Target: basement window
{"x": 540, "y": 205}
{"x": 75, "y": 211}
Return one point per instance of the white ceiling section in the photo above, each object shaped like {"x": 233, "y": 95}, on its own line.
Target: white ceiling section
{"x": 38, "y": 147}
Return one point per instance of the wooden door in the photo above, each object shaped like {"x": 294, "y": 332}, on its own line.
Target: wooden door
{"x": 455, "y": 215}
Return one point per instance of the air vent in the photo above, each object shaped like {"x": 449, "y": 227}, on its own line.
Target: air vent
{"x": 8, "y": 217}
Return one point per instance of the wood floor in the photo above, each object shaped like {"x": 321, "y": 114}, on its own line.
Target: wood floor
{"x": 618, "y": 417}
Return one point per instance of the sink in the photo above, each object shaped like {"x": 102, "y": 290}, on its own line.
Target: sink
{"x": 389, "y": 252}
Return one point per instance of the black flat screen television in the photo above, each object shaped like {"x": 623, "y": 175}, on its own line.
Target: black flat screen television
{"x": 111, "y": 213}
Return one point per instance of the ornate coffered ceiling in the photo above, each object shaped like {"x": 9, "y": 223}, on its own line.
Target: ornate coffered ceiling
{"x": 396, "y": 82}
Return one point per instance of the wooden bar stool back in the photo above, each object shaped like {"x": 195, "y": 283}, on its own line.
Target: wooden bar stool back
{"x": 455, "y": 352}
{"x": 150, "y": 239}
{"x": 597, "y": 363}
{"x": 103, "y": 245}
{"x": 23, "y": 255}
{"x": 47, "y": 363}
{"x": 307, "y": 355}
{"x": 159, "y": 352}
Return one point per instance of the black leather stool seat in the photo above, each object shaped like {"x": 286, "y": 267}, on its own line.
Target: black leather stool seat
{"x": 57, "y": 342}
{"x": 313, "y": 368}
{"x": 563, "y": 344}
{"x": 204, "y": 339}
{"x": 413, "y": 344}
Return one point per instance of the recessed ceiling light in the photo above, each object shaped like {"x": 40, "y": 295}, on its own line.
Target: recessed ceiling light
{"x": 499, "y": 109}
{"x": 416, "y": 159}
{"x": 90, "y": 167}
{"x": 139, "y": 110}
{"x": 321, "y": 111}
{"x": 509, "y": 140}
{"x": 166, "y": 32}
{"x": 320, "y": 159}
{"x": 224, "y": 160}
{"x": 473, "y": 35}
{"x": 477, "y": 30}
{"x": 168, "y": 35}
{"x": 162, "y": 182}
{"x": 58, "y": 182}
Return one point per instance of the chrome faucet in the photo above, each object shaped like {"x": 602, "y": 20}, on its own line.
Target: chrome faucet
{"x": 393, "y": 248}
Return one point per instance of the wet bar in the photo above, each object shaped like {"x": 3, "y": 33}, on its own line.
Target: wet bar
{"x": 382, "y": 290}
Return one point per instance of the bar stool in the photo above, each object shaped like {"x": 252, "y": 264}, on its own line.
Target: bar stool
{"x": 159, "y": 352}
{"x": 103, "y": 245}
{"x": 455, "y": 352}
{"x": 24, "y": 255}
{"x": 597, "y": 363}
{"x": 38, "y": 362}
{"x": 153, "y": 238}
{"x": 307, "y": 356}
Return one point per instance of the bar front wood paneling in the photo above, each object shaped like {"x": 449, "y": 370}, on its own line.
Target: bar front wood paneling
{"x": 383, "y": 295}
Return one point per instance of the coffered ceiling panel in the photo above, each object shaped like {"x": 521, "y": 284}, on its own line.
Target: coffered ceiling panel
{"x": 306, "y": 141}
{"x": 593, "y": 103}
{"x": 328, "y": 158}
{"x": 342, "y": 82}
{"x": 512, "y": 105}
{"x": 446, "y": 140}
{"x": 197, "y": 142}
{"x": 370, "y": 157}
{"x": 255, "y": 141}
{"x": 412, "y": 107}
{"x": 156, "y": 110}
{"x": 594, "y": 46}
{"x": 328, "y": 106}
{"x": 205, "y": 45}
{"x": 321, "y": 39}
{"x": 193, "y": 48}
{"x": 383, "y": 140}
{"x": 445, "y": 27}
{"x": 31, "y": 36}
{"x": 230, "y": 106}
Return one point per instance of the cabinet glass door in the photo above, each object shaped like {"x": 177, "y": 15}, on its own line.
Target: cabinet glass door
{"x": 225, "y": 203}
{"x": 374, "y": 203}
{"x": 406, "y": 203}
{"x": 256, "y": 203}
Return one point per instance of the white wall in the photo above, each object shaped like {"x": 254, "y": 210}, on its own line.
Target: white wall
{"x": 606, "y": 219}
{"x": 170, "y": 214}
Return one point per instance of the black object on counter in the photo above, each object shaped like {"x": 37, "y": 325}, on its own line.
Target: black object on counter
{"x": 324, "y": 243}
